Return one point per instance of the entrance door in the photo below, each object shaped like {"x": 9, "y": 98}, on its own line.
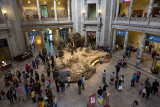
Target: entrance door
{"x": 44, "y": 11}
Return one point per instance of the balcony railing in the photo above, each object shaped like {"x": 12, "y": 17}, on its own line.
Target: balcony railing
{"x": 138, "y": 19}
{"x": 123, "y": 18}
{"x": 155, "y": 19}
{"x": 91, "y": 19}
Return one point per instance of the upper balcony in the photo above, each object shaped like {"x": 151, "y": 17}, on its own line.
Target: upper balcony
{"x": 4, "y": 24}
{"x": 153, "y": 21}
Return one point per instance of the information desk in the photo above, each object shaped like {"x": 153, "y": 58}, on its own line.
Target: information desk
{"x": 6, "y": 66}
{"x": 24, "y": 57}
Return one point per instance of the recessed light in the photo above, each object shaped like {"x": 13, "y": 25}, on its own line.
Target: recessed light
{"x": 29, "y": 2}
{"x": 59, "y": 3}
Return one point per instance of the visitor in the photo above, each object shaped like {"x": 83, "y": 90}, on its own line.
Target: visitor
{"x": 33, "y": 64}
{"x": 57, "y": 85}
{"x": 117, "y": 47}
{"x": 9, "y": 96}
{"x": 48, "y": 72}
{"x": 18, "y": 74}
{"x": 33, "y": 96}
{"x": 14, "y": 93}
{"x": 41, "y": 102}
{"x": 117, "y": 70}
{"x": 138, "y": 62}
{"x": 104, "y": 90}
{"x": 27, "y": 92}
{"x": 141, "y": 87}
{"x": 62, "y": 84}
{"x": 133, "y": 79}
{"x": 138, "y": 76}
{"x": 148, "y": 91}
{"x": 147, "y": 82}
{"x": 120, "y": 85}
{"x": 116, "y": 83}
{"x": 55, "y": 101}
{"x": 100, "y": 91}
{"x": 155, "y": 85}
{"x": 129, "y": 54}
{"x": 101, "y": 60}
{"x": 27, "y": 68}
{"x": 31, "y": 71}
{"x": 79, "y": 86}
{"x": 135, "y": 104}
{"x": 43, "y": 79}
{"x": 111, "y": 78}
{"x": 144, "y": 92}
{"x": 83, "y": 82}
{"x": 2, "y": 94}
{"x": 123, "y": 14}
{"x": 36, "y": 76}
{"x": 20, "y": 92}
{"x": 37, "y": 61}
{"x": 68, "y": 80}
{"x": 104, "y": 76}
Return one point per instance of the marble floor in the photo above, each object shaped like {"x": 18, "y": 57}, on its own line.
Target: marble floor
{"x": 71, "y": 98}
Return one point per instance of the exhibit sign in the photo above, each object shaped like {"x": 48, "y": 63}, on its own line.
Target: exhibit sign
{"x": 100, "y": 99}
{"x": 34, "y": 33}
{"x": 154, "y": 38}
{"x": 92, "y": 100}
{"x": 126, "y": 1}
{"x": 121, "y": 32}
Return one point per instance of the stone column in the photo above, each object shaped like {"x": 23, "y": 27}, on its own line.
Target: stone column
{"x": 69, "y": 11}
{"x": 97, "y": 37}
{"x": 86, "y": 40}
{"x": 39, "y": 10}
{"x": 27, "y": 39}
{"x": 1, "y": 15}
{"x": 150, "y": 8}
{"x": 69, "y": 30}
{"x": 117, "y": 11}
{"x": 142, "y": 45}
{"x": 22, "y": 11}
{"x": 114, "y": 40}
{"x": 58, "y": 41}
{"x": 130, "y": 9}
{"x": 55, "y": 9}
{"x": 125, "y": 42}
{"x": 42, "y": 36}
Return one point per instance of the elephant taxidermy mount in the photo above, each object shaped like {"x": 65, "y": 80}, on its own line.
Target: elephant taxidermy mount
{"x": 75, "y": 40}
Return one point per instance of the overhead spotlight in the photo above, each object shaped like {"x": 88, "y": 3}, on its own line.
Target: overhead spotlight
{"x": 29, "y": 2}
{"x": 45, "y": 2}
{"x": 59, "y": 3}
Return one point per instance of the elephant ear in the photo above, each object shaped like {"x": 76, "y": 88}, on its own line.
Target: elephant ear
{"x": 76, "y": 37}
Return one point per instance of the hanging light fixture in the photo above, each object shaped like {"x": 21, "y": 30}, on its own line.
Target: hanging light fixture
{"x": 29, "y": 2}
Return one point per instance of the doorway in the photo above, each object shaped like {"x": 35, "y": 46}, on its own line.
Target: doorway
{"x": 91, "y": 37}
{"x": 44, "y": 11}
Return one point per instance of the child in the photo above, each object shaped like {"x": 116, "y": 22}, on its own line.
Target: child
{"x": 144, "y": 92}
{"x": 141, "y": 89}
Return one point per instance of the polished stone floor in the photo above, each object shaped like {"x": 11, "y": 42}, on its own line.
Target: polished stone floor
{"x": 71, "y": 98}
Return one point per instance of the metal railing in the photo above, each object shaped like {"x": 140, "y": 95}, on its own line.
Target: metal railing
{"x": 138, "y": 19}
{"x": 91, "y": 19}
{"x": 123, "y": 18}
{"x": 155, "y": 19}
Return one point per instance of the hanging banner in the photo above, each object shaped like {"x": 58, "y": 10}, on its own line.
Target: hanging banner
{"x": 100, "y": 99}
{"x": 34, "y": 33}
{"x": 154, "y": 38}
{"x": 121, "y": 32}
{"x": 125, "y": 1}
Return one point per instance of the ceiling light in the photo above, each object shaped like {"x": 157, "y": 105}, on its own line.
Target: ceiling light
{"x": 45, "y": 2}
{"x": 60, "y": 28}
{"x": 33, "y": 30}
{"x": 47, "y": 29}
{"x": 29, "y": 2}
{"x": 59, "y": 3}
{"x": 5, "y": 11}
